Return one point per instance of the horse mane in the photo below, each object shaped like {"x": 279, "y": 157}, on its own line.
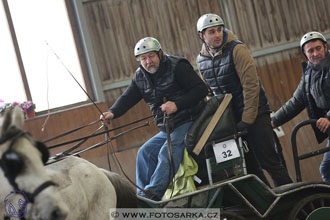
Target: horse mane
{"x": 126, "y": 195}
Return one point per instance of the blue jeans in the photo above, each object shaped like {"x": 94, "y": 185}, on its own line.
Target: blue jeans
{"x": 325, "y": 165}
{"x": 153, "y": 168}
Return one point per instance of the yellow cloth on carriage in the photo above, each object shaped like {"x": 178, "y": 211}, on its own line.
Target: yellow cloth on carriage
{"x": 184, "y": 177}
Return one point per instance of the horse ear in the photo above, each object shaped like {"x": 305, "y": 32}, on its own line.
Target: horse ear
{"x": 2, "y": 119}
{"x": 5, "y": 122}
{"x": 12, "y": 118}
{"x": 17, "y": 117}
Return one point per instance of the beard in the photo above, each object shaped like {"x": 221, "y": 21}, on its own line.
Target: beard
{"x": 152, "y": 70}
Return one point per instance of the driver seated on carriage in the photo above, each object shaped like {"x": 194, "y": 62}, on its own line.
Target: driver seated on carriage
{"x": 171, "y": 88}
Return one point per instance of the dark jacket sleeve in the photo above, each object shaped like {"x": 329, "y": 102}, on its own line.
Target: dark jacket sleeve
{"x": 193, "y": 85}
{"x": 291, "y": 108}
{"x": 127, "y": 100}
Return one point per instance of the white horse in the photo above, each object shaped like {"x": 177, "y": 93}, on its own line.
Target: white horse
{"x": 70, "y": 189}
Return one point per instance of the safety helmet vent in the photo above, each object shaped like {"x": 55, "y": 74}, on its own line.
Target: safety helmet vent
{"x": 208, "y": 20}
{"x": 146, "y": 45}
{"x": 313, "y": 35}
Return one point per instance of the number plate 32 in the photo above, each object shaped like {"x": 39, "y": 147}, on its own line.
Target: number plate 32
{"x": 225, "y": 150}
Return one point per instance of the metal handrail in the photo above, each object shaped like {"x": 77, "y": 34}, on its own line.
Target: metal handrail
{"x": 296, "y": 157}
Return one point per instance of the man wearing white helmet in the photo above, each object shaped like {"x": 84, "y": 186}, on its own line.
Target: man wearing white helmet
{"x": 168, "y": 84}
{"x": 227, "y": 66}
{"x": 313, "y": 93}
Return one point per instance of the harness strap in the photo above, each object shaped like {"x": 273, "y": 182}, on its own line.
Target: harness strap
{"x": 96, "y": 134}
{"x": 11, "y": 177}
{"x": 68, "y": 151}
{"x": 71, "y": 131}
{"x": 39, "y": 189}
{"x": 12, "y": 135}
{"x": 166, "y": 119}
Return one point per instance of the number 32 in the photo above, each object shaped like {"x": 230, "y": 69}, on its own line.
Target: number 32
{"x": 226, "y": 154}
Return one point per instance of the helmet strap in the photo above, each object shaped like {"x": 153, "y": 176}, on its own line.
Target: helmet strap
{"x": 160, "y": 54}
{"x": 199, "y": 33}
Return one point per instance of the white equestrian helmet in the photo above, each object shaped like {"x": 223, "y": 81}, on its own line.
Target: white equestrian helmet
{"x": 146, "y": 45}
{"x": 311, "y": 36}
{"x": 208, "y": 20}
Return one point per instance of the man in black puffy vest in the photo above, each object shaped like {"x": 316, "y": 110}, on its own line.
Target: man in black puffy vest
{"x": 227, "y": 66}
{"x": 313, "y": 93}
{"x": 169, "y": 85}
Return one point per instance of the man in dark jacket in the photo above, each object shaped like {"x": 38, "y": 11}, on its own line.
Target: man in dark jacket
{"x": 227, "y": 66}
{"x": 313, "y": 93}
{"x": 169, "y": 85}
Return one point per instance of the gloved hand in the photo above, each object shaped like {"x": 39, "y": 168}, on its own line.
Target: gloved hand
{"x": 242, "y": 126}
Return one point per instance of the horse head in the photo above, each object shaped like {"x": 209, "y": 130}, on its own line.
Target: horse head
{"x": 22, "y": 162}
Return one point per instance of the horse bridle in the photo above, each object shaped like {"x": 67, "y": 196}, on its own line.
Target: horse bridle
{"x": 12, "y": 163}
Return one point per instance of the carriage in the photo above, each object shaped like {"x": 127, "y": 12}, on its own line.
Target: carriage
{"x": 244, "y": 196}
{"x": 227, "y": 187}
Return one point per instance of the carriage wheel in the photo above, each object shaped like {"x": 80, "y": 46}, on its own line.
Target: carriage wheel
{"x": 229, "y": 215}
{"x": 311, "y": 204}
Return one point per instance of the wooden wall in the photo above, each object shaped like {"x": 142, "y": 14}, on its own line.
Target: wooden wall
{"x": 63, "y": 121}
{"x": 116, "y": 26}
{"x": 266, "y": 23}
{"x": 60, "y": 122}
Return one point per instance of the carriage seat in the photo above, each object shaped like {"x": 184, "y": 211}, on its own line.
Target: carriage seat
{"x": 224, "y": 130}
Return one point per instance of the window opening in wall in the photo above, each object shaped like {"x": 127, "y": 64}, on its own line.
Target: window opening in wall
{"x": 42, "y": 27}
{"x": 11, "y": 88}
